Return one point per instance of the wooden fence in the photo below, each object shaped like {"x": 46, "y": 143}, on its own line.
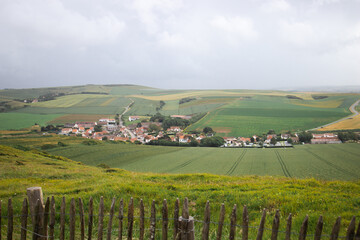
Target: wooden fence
{"x": 44, "y": 216}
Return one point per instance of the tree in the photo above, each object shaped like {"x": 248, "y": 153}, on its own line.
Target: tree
{"x": 193, "y": 143}
{"x": 207, "y": 130}
{"x": 289, "y": 140}
{"x": 104, "y": 138}
{"x": 154, "y": 128}
{"x": 215, "y": 141}
{"x": 138, "y": 125}
{"x": 271, "y": 131}
{"x": 273, "y": 141}
{"x": 305, "y": 137}
{"x": 97, "y": 128}
{"x": 252, "y": 139}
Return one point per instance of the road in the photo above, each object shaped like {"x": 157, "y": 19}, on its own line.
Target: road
{"x": 351, "y": 108}
{"x": 121, "y": 124}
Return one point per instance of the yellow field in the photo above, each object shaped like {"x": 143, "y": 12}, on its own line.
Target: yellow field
{"x": 107, "y": 102}
{"x": 218, "y": 93}
{"x": 353, "y": 123}
{"x": 66, "y": 101}
{"x": 319, "y": 104}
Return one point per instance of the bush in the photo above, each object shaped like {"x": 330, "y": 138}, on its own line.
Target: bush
{"x": 61, "y": 144}
{"x": 48, "y": 146}
{"x": 103, "y": 165}
{"x": 90, "y": 142}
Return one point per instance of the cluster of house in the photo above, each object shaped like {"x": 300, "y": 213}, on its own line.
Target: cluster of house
{"x": 108, "y": 129}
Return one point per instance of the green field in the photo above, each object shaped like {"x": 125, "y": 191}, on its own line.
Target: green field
{"x": 24, "y": 120}
{"x": 324, "y": 162}
{"x": 62, "y": 177}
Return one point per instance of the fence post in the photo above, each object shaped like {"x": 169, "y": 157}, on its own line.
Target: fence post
{"x": 275, "y": 226}
{"x": 0, "y": 218}
{"x": 153, "y": 220}
{"x": 24, "y": 216}
{"x": 206, "y": 225}
{"x": 176, "y": 219}
{"x": 37, "y": 223}
{"x": 303, "y": 230}
{"x": 130, "y": 218}
{"x": 72, "y": 219}
{"x": 33, "y": 194}
{"x": 261, "y": 226}
{"x": 233, "y": 223}
{"x": 184, "y": 219}
{"x": 221, "y": 222}
{"x": 121, "y": 217}
{"x": 191, "y": 229}
{"x": 46, "y": 218}
{"x": 52, "y": 218}
{"x": 319, "y": 227}
{"x": 10, "y": 226}
{"x": 62, "y": 219}
{"x": 336, "y": 229}
{"x": 357, "y": 234}
{"x": 350, "y": 233}
{"x": 101, "y": 219}
{"x": 245, "y": 223}
{"x": 165, "y": 219}
{"x": 112, "y": 210}
{"x": 91, "y": 218}
{"x": 82, "y": 219}
{"x": 288, "y": 227}
{"x": 142, "y": 220}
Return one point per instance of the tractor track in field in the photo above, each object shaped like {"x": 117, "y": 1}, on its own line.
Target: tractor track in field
{"x": 332, "y": 165}
{"x": 347, "y": 151}
{"x": 184, "y": 164}
{"x": 236, "y": 163}
{"x": 282, "y": 164}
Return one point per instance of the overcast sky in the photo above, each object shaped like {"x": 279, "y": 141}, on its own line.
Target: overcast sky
{"x": 180, "y": 43}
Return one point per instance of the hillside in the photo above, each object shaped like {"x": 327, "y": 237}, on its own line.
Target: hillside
{"x": 60, "y": 176}
{"x": 229, "y": 112}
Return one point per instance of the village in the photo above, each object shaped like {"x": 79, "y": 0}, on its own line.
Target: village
{"x": 148, "y": 132}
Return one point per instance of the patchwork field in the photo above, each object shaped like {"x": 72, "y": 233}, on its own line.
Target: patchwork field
{"x": 24, "y": 120}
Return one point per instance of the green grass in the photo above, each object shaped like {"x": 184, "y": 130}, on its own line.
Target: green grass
{"x": 62, "y": 177}
{"x": 323, "y": 162}
{"x": 258, "y": 114}
{"x": 24, "y": 120}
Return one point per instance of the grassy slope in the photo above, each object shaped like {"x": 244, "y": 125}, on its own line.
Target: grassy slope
{"x": 62, "y": 177}
{"x": 326, "y": 162}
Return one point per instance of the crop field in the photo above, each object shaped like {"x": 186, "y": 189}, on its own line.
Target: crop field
{"x": 59, "y": 176}
{"x": 72, "y": 118}
{"x": 258, "y": 114}
{"x": 24, "y": 120}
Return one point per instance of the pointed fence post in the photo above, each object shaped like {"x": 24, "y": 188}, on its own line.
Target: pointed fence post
{"x": 319, "y": 228}
{"x": 82, "y": 219}
{"x": 221, "y": 222}
{"x": 233, "y": 223}
{"x": 350, "y": 233}
{"x": 191, "y": 229}
{"x": 357, "y": 234}
{"x": 288, "y": 227}
{"x": 206, "y": 225}
{"x": 37, "y": 223}
{"x": 176, "y": 219}
{"x": 142, "y": 220}
{"x": 121, "y": 217}
{"x": 52, "y": 218}
{"x": 303, "y": 230}
{"x": 46, "y": 218}
{"x": 130, "y": 219}
{"x": 165, "y": 219}
{"x": 184, "y": 219}
{"x": 62, "y": 219}
{"x": 112, "y": 210}
{"x": 91, "y": 218}
{"x": 275, "y": 226}
{"x": 153, "y": 220}
{"x": 10, "y": 227}
{"x": 24, "y": 216}
{"x": 72, "y": 219}
{"x": 336, "y": 229}
{"x": 101, "y": 219}
{"x": 245, "y": 224}
{"x": 261, "y": 226}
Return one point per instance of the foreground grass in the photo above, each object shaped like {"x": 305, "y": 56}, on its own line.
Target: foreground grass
{"x": 60, "y": 176}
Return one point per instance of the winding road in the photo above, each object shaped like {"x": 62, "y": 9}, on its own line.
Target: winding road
{"x": 121, "y": 124}
{"x": 352, "y": 108}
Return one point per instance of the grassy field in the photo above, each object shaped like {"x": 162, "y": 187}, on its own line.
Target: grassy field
{"x": 323, "y": 162}
{"x": 62, "y": 177}
{"x": 258, "y": 114}
{"x": 24, "y": 120}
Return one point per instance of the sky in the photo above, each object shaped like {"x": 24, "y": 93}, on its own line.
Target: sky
{"x": 180, "y": 44}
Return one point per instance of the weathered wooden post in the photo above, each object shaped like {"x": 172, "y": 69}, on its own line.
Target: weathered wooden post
{"x": 221, "y": 222}
{"x": 276, "y": 224}
{"x": 187, "y": 231}
{"x": 165, "y": 219}
{"x": 142, "y": 220}
{"x": 34, "y": 194}
{"x": 319, "y": 228}
{"x": 112, "y": 210}
{"x": 206, "y": 225}
{"x": 101, "y": 219}
{"x": 336, "y": 229}
{"x": 176, "y": 219}
{"x": 121, "y": 217}
{"x": 24, "y": 215}
{"x": 130, "y": 219}
{"x": 153, "y": 220}
{"x": 233, "y": 223}
{"x": 288, "y": 227}
{"x": 245, "y": 224}
{"x": 10, "y": 220}
{"x": 261, "y": 226}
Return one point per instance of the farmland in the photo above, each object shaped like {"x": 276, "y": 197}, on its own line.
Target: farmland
{"x": 60, "y": 176}
{"x": 324, "y": 162}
